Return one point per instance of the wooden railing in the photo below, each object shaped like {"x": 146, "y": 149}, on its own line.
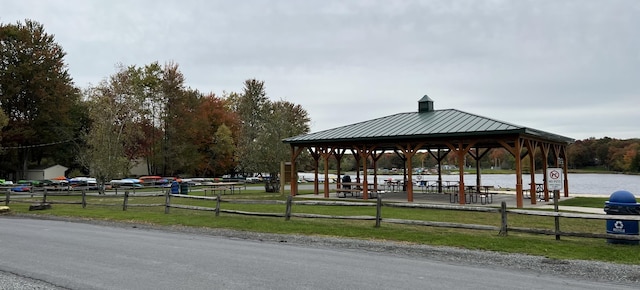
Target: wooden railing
{"x": 501, "y": 213}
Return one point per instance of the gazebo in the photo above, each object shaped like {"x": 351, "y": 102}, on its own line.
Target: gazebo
{"x": 438, "y": 132}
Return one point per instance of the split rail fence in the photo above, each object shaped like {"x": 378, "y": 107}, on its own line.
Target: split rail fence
{"x": 502, "y": 212}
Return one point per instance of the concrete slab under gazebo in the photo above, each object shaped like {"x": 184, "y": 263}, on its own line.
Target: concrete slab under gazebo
{"x": 438, "y": 132}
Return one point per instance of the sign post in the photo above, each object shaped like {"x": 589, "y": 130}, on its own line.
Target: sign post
{"x": 555, "y": 183}
{"x": 555, "y": 178}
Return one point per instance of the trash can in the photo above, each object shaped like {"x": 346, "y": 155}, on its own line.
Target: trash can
{"x": 622, "y": 203}
{"x": 175, "y": 187}
{"x": 184, "y": 188}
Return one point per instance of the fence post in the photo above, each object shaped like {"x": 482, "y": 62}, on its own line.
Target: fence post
{"x": 503, "y": 223}
{"x": 218, "y": 205}
{"x": 44, "y": 196}
{"x": 84, "y": 199}
{"x": 556, "y": 195}
{"x": 7, "y": 197}
{"x": 126, "y": 200}
{"x": 287, "y": 214}
{"x": 167, "y": 202}
{"x": 378, "y": 210}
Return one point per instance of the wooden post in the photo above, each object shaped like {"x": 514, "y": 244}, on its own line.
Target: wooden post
{"x": 326, "y": 153}
{"x": 218, "y": 205}
{"x": 503, "y": 223}
{"x": 167, "y": 202}
{"x": 556, "y": 196}
{"x": 84, "y": 199}
{"x": 126, "y": 200}
{"x": 116, "y": 190}
{"x": 287, "y": 214}
{"x": 7, "y": 197}
{"x": 378, "y": 210}
{"x": 44, "y": 196}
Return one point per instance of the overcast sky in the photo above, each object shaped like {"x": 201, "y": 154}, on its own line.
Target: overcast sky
{"x": 565, "y": 67}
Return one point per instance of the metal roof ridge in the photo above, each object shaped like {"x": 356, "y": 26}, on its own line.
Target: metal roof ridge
{"x": 492, "y": 119}
{"x": 525, "y": 129}
{"x": 348, "y": 125}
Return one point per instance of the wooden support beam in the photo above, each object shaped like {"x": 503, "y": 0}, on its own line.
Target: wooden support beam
{"x": 409, "y": 150}
{"x": 375, "y": 157}
{"x": 545, "y": 148}
{"x": 477, "y": 155}
{"x": 516, "y": 152}
{"x": 295, "y": 152}
{"x": 531, "y": 146}
{"x": 461, "y": 150}
{"x": 338, "y": 154}
{"x": 439, "y": 158}
{"x": 326, "y": 154}
{"x": 315, "y": 154}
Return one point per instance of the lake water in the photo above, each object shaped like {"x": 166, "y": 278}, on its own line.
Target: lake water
{"x": 597, "y": 184}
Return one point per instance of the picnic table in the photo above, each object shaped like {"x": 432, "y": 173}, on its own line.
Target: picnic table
{"x": 222, "y": 187}
{"x": 428, "y": 185}
{"x": 393, "y": 185}
{"x": 354, "y": 189}
{"x": 473, "y": 193}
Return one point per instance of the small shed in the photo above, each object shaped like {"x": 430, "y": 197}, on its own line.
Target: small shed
{"x": 46, "y": 172}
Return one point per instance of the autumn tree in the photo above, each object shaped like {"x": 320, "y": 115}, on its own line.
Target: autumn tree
{"x": 114, "y": 109}
{"x": 215, "y": 138}
{"x": 37, "y": 94}
{"x": 221, "y": 153}
{"x": 622, "y": 155}
{"x": 175, "y": 130}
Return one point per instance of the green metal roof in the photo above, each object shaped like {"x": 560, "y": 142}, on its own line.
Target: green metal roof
{"x": 435, "y": 124}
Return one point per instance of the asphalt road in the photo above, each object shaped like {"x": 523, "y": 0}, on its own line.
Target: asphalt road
{"x": 86, "y": 256}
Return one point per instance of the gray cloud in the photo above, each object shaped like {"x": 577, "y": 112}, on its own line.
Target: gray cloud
{"x": 568, "y": 67}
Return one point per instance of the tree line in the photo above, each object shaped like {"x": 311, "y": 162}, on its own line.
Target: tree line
{"x": 139, "y": 116}
{"x": 146, "y": 116}
{"x": 607, "y": 153}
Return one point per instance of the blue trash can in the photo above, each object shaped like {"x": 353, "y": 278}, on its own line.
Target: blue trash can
{"x": 622, "y": 203}
{"x": 175, "y": 187}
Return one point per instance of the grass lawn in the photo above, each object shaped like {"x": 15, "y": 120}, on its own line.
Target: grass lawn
{"x": 110, "y": 208}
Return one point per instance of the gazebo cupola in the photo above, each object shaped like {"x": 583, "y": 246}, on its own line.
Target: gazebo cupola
{"x": 425, "y": 105}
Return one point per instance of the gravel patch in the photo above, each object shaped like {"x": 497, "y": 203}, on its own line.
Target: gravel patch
{"x": 575, "y": 269}
{"x": 10, "y": 281}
